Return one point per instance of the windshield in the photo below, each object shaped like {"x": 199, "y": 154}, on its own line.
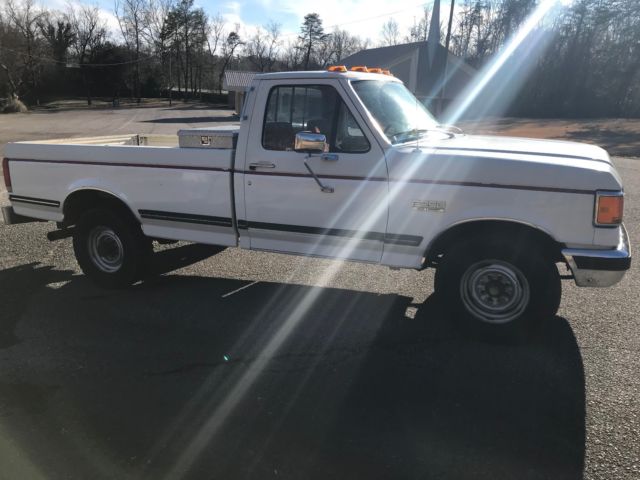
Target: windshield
{"x": 401, "y": 116}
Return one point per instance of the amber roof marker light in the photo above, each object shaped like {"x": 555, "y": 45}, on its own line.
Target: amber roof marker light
{"x": 359, "y": 68}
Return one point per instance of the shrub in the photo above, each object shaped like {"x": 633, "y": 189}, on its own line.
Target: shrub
{"x": 14, "y": 105}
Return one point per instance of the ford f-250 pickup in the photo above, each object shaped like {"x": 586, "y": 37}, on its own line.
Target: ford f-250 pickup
{"x": 345, "y": 165}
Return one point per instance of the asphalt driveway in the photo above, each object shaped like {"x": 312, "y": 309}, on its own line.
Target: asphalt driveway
{"x": 233, "y": 364}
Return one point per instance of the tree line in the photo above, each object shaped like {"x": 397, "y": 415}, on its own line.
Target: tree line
{"x": 589, "y": 66}
{"x": 164, "y": 47}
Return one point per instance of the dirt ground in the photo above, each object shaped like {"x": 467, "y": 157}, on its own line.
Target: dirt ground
{"x": 620, "y": 137}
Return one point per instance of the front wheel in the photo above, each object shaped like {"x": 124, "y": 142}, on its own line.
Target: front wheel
{"x": 110, "y": 248}
{"x": 498, "y": 287}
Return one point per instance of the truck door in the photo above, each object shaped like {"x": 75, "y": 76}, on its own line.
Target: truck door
{"x": 285, "y": 207}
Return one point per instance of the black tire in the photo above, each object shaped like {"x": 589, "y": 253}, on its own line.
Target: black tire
{"x": 497, "y": 287}
{"x": 110, "y": 247}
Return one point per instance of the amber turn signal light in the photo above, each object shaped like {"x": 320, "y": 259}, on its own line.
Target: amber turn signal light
{"x": 609, "y": 209}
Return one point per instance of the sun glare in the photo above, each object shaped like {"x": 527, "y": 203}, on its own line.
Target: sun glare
{"x": 498, "y": 63}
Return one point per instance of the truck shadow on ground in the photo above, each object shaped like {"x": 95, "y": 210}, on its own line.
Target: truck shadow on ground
{"x": 178, "y": 378}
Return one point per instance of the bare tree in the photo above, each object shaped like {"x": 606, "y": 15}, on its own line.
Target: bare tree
{"x": 201, "y": 63}
{"x": 325, "y": 51}
{"x": 390, "y": 33}
{"x": 155, "y": 20}
{"x": 475, "y": 39}
{"x": 25, "y": 17}
{"x": 262, "y": 48}
{"x": 345, "y": 44}
{"x": 420, "y": 29}
{"x": 59, "y": 35}
{"x": 90, "y": 31}
{"x": 9, "y": 38}
{"x": 154, "y": 33}
{"x": 292, "y": 55}
{"x": 188, "y": 32}
{"x": 131, "y": 15}
{"x": 229, "y": 47}
{"x": 274, "y": 39}
{"x": 217, "y": 27}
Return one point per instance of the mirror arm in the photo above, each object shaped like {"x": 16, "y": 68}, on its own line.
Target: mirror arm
{"x": 324, "y": 188}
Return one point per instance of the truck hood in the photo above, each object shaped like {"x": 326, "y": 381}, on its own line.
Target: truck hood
{"x": 525, "y": 146}
{"x": 509, "y": 160}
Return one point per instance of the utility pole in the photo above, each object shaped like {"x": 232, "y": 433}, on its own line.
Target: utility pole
{"x": 170, "y": 80}
{"x": 446, "y": 58}
{"x": 448, "y": 42}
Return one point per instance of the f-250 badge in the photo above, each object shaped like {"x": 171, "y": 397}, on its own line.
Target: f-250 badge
{"x": 429, "y": 205}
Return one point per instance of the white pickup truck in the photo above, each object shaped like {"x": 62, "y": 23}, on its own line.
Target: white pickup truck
{"x": 345, "y": 165}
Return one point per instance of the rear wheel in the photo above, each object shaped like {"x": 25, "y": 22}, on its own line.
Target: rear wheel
{"x": 498, "y": 287}
{"x": 111, "y": 248}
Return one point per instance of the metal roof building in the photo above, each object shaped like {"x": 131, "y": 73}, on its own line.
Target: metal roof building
{"x": 237, "y": 83}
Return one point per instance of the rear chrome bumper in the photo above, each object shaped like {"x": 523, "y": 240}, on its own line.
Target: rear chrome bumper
{"x": 600, "y": 268}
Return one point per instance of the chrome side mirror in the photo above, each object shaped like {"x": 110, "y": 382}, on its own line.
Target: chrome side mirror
{"x": 308, "y": 142}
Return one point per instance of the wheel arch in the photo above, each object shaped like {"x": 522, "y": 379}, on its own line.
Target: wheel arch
{"x": 472, "y": 228}
{"x": 86, "y": 198}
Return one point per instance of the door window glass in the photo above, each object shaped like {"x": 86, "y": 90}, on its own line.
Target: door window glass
{"x": 310, "y": 108}
{"x": 349, "y": 137}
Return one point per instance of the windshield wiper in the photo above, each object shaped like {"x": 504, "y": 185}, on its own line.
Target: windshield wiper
{"x": 414, "y": 131}
{"x": 451, "y": 129}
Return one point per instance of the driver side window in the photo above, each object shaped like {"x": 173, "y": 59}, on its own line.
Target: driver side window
{"x": 310, "y": 108}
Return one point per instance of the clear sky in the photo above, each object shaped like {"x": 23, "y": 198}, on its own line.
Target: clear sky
{"x": 361, "y": 17}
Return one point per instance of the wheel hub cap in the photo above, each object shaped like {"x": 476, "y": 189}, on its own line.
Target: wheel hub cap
{"x": 494, "y": 291}
{"x": 105, "y": 249}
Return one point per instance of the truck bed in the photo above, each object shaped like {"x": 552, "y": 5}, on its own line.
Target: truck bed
{"x": 196, "y": 199}
{"x": 110, "y": 140}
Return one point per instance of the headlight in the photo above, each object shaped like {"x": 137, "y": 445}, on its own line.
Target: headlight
{"x": 609, "y": 208}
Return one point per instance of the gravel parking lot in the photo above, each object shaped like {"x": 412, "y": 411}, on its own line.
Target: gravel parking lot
{"x": 233, "y": 364}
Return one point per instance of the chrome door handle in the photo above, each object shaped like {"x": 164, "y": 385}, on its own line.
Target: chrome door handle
{"x": 330, "y": 157}
{"x": 253, "y": 166}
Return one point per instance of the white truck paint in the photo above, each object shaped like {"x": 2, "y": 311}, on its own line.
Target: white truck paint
{"x": 389, "y": 204}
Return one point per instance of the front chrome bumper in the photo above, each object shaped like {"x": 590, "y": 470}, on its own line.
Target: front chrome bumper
{"x": 600, "y": 268}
